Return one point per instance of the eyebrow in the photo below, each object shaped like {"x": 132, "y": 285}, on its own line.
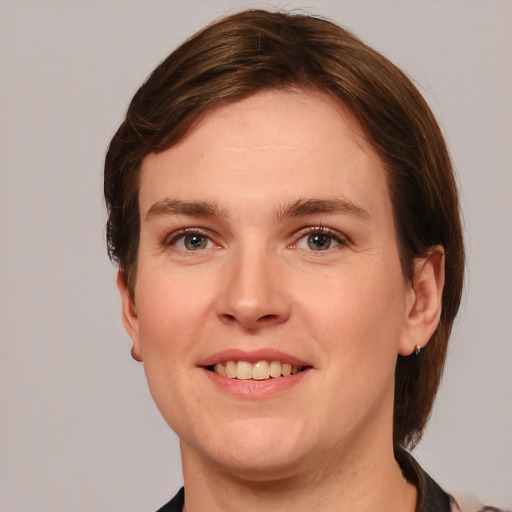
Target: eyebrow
{"x": 303, "y": 207}
{"x": 178, "y": 207}
{"x": 298, "y": 208}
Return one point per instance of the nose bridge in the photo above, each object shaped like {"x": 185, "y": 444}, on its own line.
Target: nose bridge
{"x": 253, "y": 294}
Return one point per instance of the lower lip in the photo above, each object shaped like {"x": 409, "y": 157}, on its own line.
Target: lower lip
{"x": 255, "y": 389}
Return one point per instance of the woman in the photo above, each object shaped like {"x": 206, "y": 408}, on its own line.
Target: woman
{"x": 285, "y": 218}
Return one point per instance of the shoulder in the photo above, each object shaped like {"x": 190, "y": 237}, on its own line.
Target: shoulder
{"x": 471, "y": 505}
{"x": 431, "y": 497}
{"x": 176, "y": 504}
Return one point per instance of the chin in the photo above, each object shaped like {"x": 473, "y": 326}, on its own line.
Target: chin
{"x": 255, "y": 450}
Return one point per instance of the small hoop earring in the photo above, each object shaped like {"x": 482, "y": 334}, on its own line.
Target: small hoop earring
{"x": 417, "y": 350}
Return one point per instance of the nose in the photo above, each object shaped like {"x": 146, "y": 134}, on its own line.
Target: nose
{"x": 253, "y": 294}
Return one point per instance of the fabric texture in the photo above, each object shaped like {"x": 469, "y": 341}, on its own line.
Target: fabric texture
{"x": 431, "y": 498}
{"x": 176, "y": 504}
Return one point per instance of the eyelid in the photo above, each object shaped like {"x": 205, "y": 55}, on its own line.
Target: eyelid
{"x": 170, "y": 239}
{"x": 336, "y": 235}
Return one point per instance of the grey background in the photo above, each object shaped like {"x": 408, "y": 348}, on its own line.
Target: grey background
{"x": 78, "y": 430}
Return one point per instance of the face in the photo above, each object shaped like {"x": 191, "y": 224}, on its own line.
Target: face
{"x": 270, "y": 305}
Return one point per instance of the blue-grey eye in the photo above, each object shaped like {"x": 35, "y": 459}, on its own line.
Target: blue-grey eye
{"x": 319, "y": 242}
{"x": 195, "y": 241}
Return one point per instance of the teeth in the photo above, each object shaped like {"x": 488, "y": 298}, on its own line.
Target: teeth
{"x": 286, "y": 369}
{"x": 275, "y": 369}
{"x": 262, "y": 370}
{"x": 230, "y": 369}
{"x": 244, "y": 370}
{"x": 220, "y": 370}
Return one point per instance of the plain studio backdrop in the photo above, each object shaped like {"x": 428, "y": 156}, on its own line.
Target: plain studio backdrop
{"x": 78, "y": 429}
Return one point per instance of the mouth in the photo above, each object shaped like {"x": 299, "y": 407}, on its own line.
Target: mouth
{"x": 260, "y": 370}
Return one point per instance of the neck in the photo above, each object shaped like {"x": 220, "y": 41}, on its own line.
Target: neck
{"x": 345, "y": 483}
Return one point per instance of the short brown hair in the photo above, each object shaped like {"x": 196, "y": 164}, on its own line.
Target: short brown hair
{"x": 255, "y": 50}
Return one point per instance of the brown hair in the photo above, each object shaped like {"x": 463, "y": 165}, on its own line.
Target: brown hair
{"x": 254, "y": 50}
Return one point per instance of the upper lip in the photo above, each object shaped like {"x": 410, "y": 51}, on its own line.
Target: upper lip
{"x": 253, "y": 356}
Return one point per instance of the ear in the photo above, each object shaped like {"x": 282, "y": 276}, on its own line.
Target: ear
{"x": 424, "y": 301}
{"x": 129, "y": 315}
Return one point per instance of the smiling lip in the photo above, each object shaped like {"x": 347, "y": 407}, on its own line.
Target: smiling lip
{"x": 256, "y": 389}
{"x": 250, "y": 388}
{"x": 252, "y": 357}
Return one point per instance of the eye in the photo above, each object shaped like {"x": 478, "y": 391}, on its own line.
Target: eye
{"x": 320, "y": 240}
{"x": 192, "y": 242}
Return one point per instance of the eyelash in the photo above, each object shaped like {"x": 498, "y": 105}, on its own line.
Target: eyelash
{"x": 171, "y": 240}
{"x": 342, "y": 240}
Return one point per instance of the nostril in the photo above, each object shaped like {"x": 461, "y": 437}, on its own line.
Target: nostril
{"x": 250, "y": 322}
{"x": 252, "y": 314}
{"x": 267, "y": 317}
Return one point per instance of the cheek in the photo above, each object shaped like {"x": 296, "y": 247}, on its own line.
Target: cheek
{"x": 171, "y": 321}
{"x": 357, "y": 314}
{"x": 171, "y": 309}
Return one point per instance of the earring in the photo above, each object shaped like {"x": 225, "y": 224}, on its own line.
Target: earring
{"x": 417, "y": 350}
{"x": 135, "y": 356}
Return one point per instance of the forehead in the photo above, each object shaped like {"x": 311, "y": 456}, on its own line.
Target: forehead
{"x": 272, "y": 143}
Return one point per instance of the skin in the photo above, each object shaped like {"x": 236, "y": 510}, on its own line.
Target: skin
{"x": 345, "y": 312}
